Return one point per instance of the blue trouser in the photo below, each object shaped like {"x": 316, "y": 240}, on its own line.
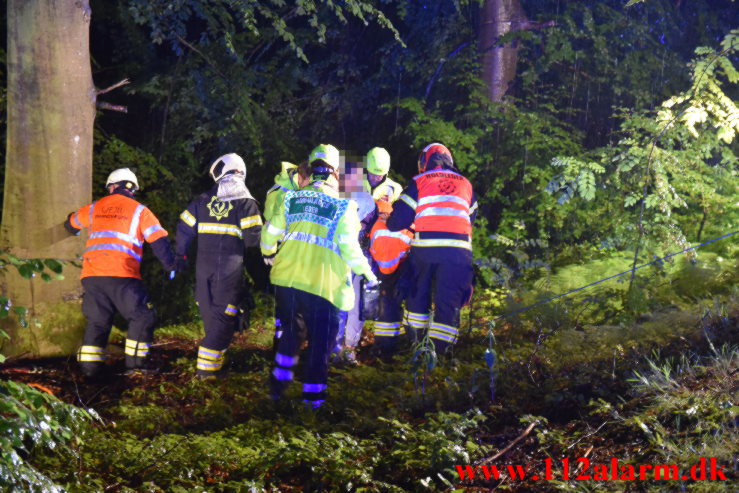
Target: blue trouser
{"x": 321, "y": 319}
{"x": 352, "y": 323}
{"x": 443, "y": 275}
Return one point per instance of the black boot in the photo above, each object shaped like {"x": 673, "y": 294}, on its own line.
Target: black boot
{"x": 91, "y": 369}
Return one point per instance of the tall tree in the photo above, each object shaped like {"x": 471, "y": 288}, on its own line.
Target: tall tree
{"x": 48, "y": 171}
{"x": 497, "y": 19}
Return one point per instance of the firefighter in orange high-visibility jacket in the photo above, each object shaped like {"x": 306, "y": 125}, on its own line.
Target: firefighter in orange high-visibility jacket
{"x": 226, "y": 221}
{"x": 388, "y": 249}
{"x": 441, "y": 205}
{"x": 118, "y": 225}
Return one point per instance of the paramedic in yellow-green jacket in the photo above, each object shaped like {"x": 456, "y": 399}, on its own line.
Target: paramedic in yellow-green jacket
{"x": 291, "y": 177}
{"x": 312, "y": 272}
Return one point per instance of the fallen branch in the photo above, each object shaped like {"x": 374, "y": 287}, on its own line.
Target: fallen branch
{"x": 102, "y": 105}
{"x": 114, "y": 86}
{"x": 582, "y": 464}
{"x": 512, "y": 444}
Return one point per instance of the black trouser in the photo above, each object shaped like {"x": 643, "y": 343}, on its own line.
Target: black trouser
{"x": 321, "y": 319}
{"x": 104, "y": 296}
{"x": 219, "y": 289}
{"x": 388, "y": 327}
{"x": 442, "y": 275}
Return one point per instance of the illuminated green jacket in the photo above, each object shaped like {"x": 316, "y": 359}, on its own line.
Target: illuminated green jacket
{"x": 320, "y": 248}
{"x": 286, "y": 180}
{"x": 387, "y": 188}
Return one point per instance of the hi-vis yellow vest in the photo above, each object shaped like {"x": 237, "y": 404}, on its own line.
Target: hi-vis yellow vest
{"x": 319, "y": 248}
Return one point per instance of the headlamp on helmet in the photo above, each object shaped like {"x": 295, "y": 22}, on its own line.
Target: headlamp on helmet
{"x": 125, "y": 176}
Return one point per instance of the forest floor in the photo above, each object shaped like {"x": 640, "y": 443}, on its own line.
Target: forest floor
{"x": 664, "y": 390}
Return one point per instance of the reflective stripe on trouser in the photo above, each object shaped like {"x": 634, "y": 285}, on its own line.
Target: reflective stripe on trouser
{"x": 219, "y": 286}
{"x": 137, "y": 348}
{"x": 210, "y": 360}
{"x": 283, "y": 370}
{"x": 388, "y": 329}
{"x": 442, "y": 276}
{"x": 136, "y": 353}
{"x": 91, "y": 353}
{"x": 104, "y": 296}
{"x": 388, "y": 326}
{"x": 321, "y": 320}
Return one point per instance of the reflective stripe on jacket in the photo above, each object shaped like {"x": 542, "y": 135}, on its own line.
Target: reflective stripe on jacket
{"x": 221, "y": 228}
{"x": 118, "y": 226}
{"x": 388, "y": 190}
{"x": 444, "y": 200}
{"x": 389, "y": 248}
{"x": 319, "y": 248}
{"x": 441, "y": 206}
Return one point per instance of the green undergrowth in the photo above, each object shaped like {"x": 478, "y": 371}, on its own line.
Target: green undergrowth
{"x": 654, "y": 387}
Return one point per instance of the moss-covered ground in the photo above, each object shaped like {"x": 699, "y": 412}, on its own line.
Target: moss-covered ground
{"x": 567, "y": 380}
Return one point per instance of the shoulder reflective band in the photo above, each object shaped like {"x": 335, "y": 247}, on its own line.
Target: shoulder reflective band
{"x": 219, "y": 229}
{"x": 250, "y": 221}
{"x": 135, "y": 220}
{"x": 188, "y": 218}
{"x": 92, "y": 207}
{"x": 443, "y": 198}
{"x": 116, "y": 234}
{"x": 151, "y": 230}
{"x": 312, "y": 239}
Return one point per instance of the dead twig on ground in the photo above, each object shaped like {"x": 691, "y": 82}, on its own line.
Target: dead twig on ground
{"x": 512, "y": 444}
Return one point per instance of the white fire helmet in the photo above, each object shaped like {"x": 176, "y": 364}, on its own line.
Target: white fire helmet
{"x": 226, "y": 163}
{"x": 122, "y": 174}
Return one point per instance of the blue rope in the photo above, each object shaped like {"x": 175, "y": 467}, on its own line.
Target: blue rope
{"x": 538, "y": 303}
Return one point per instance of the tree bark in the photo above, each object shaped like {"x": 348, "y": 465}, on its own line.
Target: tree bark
{"x": 48, "y": 170}
{"x": 498, "y": 18}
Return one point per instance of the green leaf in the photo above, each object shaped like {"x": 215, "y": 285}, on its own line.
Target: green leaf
{"x": 53, "y": 265}
{"x": 26, "y": 271}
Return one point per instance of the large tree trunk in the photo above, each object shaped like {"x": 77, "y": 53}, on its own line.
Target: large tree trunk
{"x": 48, "y": 171}
{"x": 498, "y": 18}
